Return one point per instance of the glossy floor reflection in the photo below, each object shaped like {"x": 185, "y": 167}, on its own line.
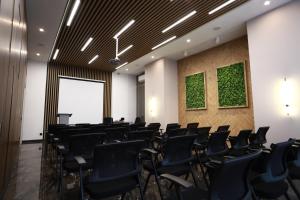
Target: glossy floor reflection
{"x": 33, "y": 179}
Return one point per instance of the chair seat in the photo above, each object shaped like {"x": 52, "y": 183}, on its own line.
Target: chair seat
{"x": 294, "y": 172}
{"x": 271, "y": 190}
{"x": 177, "y": 170}
{"x": 110, "y": 188}
{"x": 194, "y": 194}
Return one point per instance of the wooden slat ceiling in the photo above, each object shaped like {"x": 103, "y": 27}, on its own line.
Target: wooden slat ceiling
{"x": 102, "y": 19}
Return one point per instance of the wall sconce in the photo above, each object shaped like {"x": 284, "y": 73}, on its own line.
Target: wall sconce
{"x": 287, "y": 96}
{"x": 153, "y": 107}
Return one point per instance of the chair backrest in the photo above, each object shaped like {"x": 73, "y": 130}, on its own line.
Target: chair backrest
{"x": 145, "y": 135}
{"x": 223, "y": 128}
{"x": 242, "y": 140}
{"x": 203, "y": 134}
{"x": 108, "y": 120}
{"x": 115, "y": 134}
{"x": 176, "y": 132}
{"x": 154, "y": 126}
{"x": 84, "y": 144}
{"x": 172, "y": 126}
{"x": 192, "y": 125}
{"x": 137, "y": 120}
{"x": 65, "y": 134}
{"x": 177, "y": 150}
{"x": 230, "y": 181}
{"x": 261, "y": 135}
{"x": 116, "y": 160}
{"x": 217, "y": 143}
{"x": 276, "y": 164}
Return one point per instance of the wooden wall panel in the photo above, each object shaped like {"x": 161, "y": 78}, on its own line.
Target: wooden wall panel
{"x": 13, "y": 58}
{"x": 208, "y": 61}
{"x": 52, "y": 87}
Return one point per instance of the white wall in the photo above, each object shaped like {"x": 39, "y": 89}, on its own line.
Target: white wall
{"x": 274, "y": 48}
{"x": 34, "y": 101}
{"x": 161, "y": 92}
{"x": 124, "y": 97}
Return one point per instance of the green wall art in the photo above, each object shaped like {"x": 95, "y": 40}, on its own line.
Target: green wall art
{"x": 232, "y": 86}
{"x": 195, "y": 91}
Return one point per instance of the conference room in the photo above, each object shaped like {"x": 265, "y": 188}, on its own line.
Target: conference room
{"x": 149, "y": 100}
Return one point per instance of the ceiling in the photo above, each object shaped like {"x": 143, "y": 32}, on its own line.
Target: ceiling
{"x": 103, "y": 19}
{"x": 45, "y": 14}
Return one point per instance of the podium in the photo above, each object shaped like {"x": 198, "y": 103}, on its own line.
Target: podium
{"x": 63, "y": 118}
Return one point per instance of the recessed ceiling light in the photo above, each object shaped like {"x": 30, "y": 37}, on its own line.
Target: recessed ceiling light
{"x": 93, "y": 59}
{"x": 122, "y": 65}
{"x": 127, "y": 69}
{"x": 126, "y": 49}
{"x": 188, "y": 40}
{"x": 221, "y": 6}
{"x": 73, "y": 12}
{"x": 267, "y": 3}
{"x": 124, "y": 28}
{"x": 41, "y": 30}
{"x": 55, "y": 54}
{"x": 86, "y": 44}
{"x": 180, "y": 21}
{"x": 164, "y": 42}
{"x": 152, "y": 57}
{"x": 38, "y": 54}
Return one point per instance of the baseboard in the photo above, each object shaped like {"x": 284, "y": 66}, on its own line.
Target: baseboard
{"x": 31, "y": 141}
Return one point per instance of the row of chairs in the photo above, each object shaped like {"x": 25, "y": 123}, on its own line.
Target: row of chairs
{"x": 120, "y": 161}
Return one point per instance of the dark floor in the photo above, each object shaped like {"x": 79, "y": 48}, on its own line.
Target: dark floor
{"x": 32, "y": 179}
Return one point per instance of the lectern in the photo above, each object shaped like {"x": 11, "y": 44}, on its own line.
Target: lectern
{"x": 63, "y": 118}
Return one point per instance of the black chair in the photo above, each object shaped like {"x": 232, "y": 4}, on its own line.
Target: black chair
{"x": 192, "y": 128}
{"x": 116, "y": 170}
{"x": 172, "y": 126}
{"x": 272, "y": 171}
{"x": 145, "y": 135}
{"x": 259, "y": 139}
{"x": 175, "y": 158}
{"x": 240, "y": 142}
{"x": 79, "y": 145}
{"x": 137, "y": 120}
{"x": 176, "y": 132}
{"x": 108, "y": 120}
{"x": 294, "y": 166}
{"x": 223, "y": 128}
{"x": 217, "y": 145}
{"x": 202, "y": 139}
{"x": 154, "y": 126}
{"x": 115, "y": 134}
{"x": 228, "y": 181}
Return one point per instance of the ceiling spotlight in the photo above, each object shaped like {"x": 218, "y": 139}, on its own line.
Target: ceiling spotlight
{"x": 38, "y": 54}
{"x": 152, "y": 57}
{"x": 127, "y": 69}
{"x": 180, "y": 21}
{"x": 217, "y": 40}
{"x": 55, "y": 54}
{"x": 164, "y": 42}
{"x": 122, "y": 65}
{"x": 86, "y": 44}
{"x": 221, "y": 6}
{"x": 93, "y": 59}
{"x": 124, "y": 28}
{"x": 185, "y": 53}
{"x": 188, "y": 40}
{"x": 73, "y": 12}
{"x": 267, "y": 3}
{"x": 41, "y": 30}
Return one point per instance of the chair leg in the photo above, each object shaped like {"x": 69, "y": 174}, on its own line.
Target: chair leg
{"x": 146, "y": 183}
{"x": 193, "y": 175}
{"x": 158, "y": 185}
{"x": 81, "y": 184}
{"x": 294, "y": 187}
{"x": 204, "y": 176}
{"x": 140, "y": 187}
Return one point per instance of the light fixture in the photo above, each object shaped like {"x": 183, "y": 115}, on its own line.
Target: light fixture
{"x": 221, "y": 6}
{"x": 287, "y": 95}
{"x": 126, "y": 69}
{"x": 38, "y": 54}
{"x": 73, "y": 12}
{"x": 86, "y": 44}
{"x": 122, "y": 65}
{"x": 188, "y": 40}
{"x": 55, "y": 54}
{"x": 267, "y": 3}
{"x": 152, "y": 57}
{"x": 126, "y": 49}
{"x": 93, "y": 59}
{"x": 164, "y": 42}
{"x": 180, "y": 21}
{"x": 124, "y": 28}
{"x": 41, "y": 30}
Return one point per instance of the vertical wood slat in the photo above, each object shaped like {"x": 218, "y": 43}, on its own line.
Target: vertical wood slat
{"x": 52, "y": 87}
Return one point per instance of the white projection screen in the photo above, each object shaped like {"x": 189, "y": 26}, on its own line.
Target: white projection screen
{"x": 83, "y": 98}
